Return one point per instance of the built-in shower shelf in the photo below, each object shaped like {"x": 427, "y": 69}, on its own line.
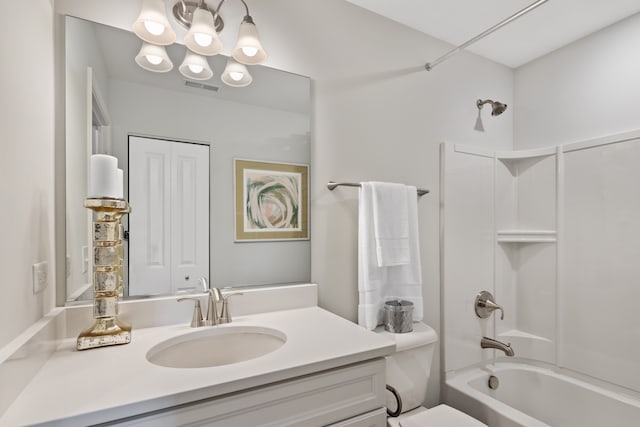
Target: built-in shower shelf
{"x": 526, "y": 236}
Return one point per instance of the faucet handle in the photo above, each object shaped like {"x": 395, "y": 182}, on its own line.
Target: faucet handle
{"x": 197, "y": 320}
{"x": 485, "y": 304}
{"x": 225, "y": 314}
{"x": 212, "y": 318}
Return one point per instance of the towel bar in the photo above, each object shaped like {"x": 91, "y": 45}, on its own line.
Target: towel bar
{"x": 332, "y": 185}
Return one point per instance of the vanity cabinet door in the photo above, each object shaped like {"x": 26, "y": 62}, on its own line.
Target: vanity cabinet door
{"x": 348, "y": 396}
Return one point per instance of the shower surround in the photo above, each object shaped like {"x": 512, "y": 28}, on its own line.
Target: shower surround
{"x": 554, "y": 234}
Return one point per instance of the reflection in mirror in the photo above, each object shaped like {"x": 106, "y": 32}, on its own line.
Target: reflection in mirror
{"x": 110, "y": 102}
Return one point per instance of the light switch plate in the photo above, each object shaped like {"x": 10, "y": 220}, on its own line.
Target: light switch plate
{"x": 40, "y": 279}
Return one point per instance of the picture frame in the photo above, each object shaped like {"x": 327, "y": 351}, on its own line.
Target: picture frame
{"x": 271, "y": 201}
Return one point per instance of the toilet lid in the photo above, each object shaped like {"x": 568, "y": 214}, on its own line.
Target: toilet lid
{"x": 440, "y": 416}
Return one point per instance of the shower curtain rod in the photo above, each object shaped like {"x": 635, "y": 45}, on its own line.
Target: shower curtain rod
{"x": 429, "y": 65}
{"x": 332, "y": 185}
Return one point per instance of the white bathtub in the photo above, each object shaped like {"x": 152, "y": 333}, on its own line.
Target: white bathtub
{"x": 534, "y": 396}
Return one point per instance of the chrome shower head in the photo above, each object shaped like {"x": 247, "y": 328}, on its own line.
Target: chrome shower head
{"x": 497, "y": 108}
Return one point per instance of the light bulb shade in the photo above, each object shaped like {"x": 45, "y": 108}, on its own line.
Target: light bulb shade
{"x": 154, "y": 58}
{"x": 202, "y": 27}
{"x": 248, "y": 40}
{"x": 236, "y": 74}
{"x": 195, "y": 67}
{"x": 152, "y": 25}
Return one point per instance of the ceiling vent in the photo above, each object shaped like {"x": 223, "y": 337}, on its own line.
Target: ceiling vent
{"x": 198, "y": 85}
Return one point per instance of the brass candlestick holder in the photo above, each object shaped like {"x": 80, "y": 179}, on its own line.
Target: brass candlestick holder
{"x": 108, "y": 270}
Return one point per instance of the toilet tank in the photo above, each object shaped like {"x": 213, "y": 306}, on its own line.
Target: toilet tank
{"x": 408, "y": 369}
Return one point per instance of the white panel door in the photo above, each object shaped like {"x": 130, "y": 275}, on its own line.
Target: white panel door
{"x": 189, "y": 214}
{"x": 169, "y": 220}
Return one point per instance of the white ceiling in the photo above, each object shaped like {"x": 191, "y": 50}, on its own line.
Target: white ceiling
{"x": 552, "y": 25}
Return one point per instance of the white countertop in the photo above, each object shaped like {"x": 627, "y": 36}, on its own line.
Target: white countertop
{"x": 98, "y": 385}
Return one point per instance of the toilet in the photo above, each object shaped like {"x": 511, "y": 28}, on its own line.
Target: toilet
{"x": 408, "y": 372}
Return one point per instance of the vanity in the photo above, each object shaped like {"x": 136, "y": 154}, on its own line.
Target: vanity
{"x": 325, "y": 371}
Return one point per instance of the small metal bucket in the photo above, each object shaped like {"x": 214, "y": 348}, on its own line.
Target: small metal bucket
{"x": 398, "y": 316}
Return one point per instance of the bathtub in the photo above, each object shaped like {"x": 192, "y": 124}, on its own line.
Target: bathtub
{"x": 535, "y": 396}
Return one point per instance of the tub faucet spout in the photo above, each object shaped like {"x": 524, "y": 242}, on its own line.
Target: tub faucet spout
{"x": 491, "y": 343}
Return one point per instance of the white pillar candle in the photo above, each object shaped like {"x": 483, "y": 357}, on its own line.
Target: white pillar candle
{"x": 103, "y": 177}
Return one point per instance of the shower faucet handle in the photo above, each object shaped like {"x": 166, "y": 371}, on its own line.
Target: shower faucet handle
{"x": 485, "y": 304}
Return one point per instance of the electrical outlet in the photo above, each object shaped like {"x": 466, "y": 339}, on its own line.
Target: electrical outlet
{"x": 40, "y": 279}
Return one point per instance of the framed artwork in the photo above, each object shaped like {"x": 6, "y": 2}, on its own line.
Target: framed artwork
{"x": 271, "y": 201}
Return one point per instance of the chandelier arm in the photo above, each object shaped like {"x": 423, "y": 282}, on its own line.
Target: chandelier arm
{"x": 218, "y": 9}
{"x": 246, "y": 7}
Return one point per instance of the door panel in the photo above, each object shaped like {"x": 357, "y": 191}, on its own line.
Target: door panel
{"x": 190, "y": 214}
{"x": 169, "y": 220}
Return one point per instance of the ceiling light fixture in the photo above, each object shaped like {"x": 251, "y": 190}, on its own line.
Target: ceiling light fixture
{"x": 195, "y": 67}
{"x": 236, "y": 74}
{"x": 248, "y": 48}
{"x": 202, "y": 37}
{"x": 152, "y": 24}
{"x": 203, "y": 25}
{"x": 154, "y": 58}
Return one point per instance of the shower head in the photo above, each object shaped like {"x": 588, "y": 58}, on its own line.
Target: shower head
{"x": 497, "y": 108}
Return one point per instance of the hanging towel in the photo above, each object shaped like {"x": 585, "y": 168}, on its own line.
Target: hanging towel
{"x": 390, "y": 223}
{"x": 379, "y": 284}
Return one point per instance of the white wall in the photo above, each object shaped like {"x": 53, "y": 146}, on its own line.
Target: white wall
{"x": 585, "y": 90}
{"x": 26, "y": 165}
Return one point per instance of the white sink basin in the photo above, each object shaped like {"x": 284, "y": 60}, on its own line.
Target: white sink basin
{"x": 216, "y": 346}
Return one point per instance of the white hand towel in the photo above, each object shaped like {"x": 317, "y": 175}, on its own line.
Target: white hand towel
{"x": 390, "y": 223}
{"x": 379, "y": 284}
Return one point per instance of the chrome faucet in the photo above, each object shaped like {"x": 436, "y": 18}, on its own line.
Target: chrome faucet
{"x": 212, "y": 307}
{"x": 211, "y": 318}
{"x": 498, "y": 345}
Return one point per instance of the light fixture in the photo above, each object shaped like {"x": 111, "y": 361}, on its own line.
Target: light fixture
{"x": 203, "y": 24}
{"x": 236, "y": 74}
{"x": 154, "y": 58}
{"x": 195, "y": 67}
{"x": 248, "y": 48}
{"x": 202, "y": 37}
{"x": 152, "y": 24}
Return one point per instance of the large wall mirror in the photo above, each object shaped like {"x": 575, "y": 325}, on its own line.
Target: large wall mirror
{"x": 110, "y": 101}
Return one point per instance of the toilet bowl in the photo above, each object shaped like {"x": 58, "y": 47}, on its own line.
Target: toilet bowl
{"x": 438, "y": 416}
{"x": 407, "y": 375}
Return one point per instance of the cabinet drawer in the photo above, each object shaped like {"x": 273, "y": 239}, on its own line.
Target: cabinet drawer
{"x": 313, "y": 400}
